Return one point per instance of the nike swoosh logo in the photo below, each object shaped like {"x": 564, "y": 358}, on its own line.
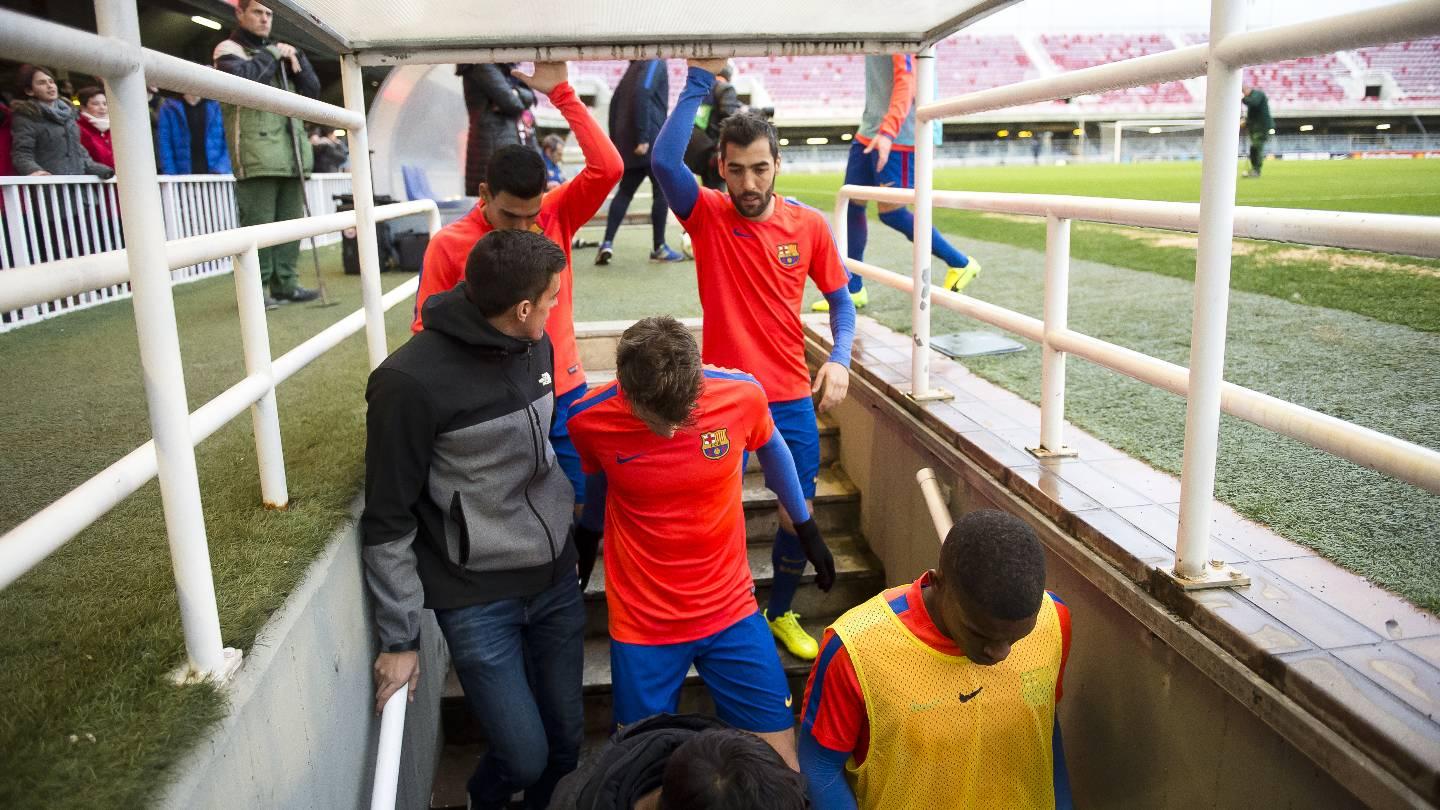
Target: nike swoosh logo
{"x": 964, "y": 698}
{"x": 788, "y": 701}
{"x": 739, "y": 232}
{"x": 619, "y": 459}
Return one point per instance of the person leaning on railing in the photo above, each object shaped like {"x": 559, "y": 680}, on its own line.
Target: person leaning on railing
{"x": 45, "y": 134}
{"x": 264, "y": 146}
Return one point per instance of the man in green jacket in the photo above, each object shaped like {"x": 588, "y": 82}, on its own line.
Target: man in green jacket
{"x": 268, "y": 184}
{"x": 1258, "y": 125}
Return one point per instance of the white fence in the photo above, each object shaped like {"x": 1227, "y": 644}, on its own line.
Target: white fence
{"x": 46, "y": 219}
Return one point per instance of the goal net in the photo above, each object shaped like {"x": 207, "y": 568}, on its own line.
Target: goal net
{"x": 1136, "y": 141}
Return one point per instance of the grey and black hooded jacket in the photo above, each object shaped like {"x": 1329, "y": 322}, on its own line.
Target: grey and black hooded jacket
{"x": 465, "y": 501}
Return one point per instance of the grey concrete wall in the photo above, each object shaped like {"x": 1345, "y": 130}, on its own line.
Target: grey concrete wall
{"x": 1143, "y": 727}
{"x": 302, "y": 732}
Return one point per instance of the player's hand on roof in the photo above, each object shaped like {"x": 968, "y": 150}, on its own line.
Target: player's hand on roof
{"x": 712, "y": 65}
{"x": 546, "y": 76}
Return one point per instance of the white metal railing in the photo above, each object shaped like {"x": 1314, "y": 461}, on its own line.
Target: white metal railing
{"x": 1215, "y": 218}
{"x": 46, "y": 219}
{"x": 115, "y": 54}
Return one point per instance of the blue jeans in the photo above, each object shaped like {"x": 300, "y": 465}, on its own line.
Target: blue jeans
{"x": 520, "y": 663}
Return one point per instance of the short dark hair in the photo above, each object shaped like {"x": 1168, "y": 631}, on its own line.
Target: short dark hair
{"x": 743, "y": 129}
{"x": 727, "y": 769}
{"x": 509, "y": 266}
{"x": 26, "y": 75}
{"x": 87, "y": 93}
{"x": 658, "y": 365}
{"x": 517, "y": 170}
{"x": 997, "y": 561}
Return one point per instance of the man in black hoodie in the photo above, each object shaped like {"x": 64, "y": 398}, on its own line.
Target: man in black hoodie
{"x": 467, "y": 513}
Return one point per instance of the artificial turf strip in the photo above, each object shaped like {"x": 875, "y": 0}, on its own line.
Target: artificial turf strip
{"x": 1395, "y": 289}
{"x": 87, "y": 714}
{"x": 1378, "y": 375}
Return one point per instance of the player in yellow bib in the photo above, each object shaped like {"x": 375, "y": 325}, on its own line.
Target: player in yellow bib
{"x": 941, "y": 693}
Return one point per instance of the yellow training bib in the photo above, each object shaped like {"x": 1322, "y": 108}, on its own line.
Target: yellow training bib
{"x": 946, "y": 732}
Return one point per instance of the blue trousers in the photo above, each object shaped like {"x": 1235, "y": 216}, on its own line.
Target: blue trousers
{"x": 520, "y": 663}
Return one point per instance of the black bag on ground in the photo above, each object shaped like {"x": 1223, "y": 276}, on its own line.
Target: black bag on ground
{"x": 384, "y": 243}
{"x": 410, "y": 250}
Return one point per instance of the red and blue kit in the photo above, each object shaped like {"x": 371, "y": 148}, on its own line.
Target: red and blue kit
{"x": 752, "y": 279}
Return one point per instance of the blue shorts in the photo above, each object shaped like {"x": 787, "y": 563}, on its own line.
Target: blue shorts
{"x": 739, "y": 666}
{"x": 796, "y": 422}
{"x": 899, "y": 171}
{"x": 560, "y": 440}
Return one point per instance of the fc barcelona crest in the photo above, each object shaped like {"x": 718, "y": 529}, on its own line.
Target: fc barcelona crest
{"x": 715, "y": 444}
{"x": 788, "y": 253}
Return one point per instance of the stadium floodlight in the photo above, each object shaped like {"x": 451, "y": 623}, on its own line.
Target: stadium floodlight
{"x": 1307, "y": 127}
{"x": 784, "y": 141}
{"x": 1004, "y": 133}
{"x": 847, "y": 136}
{"x": 1382, "y": 126}
{"x": 1025, "y": 133}
{"x": 816, "y": 141}
{"x": 207, "y": 22}
{"x": 1155, "y": 130}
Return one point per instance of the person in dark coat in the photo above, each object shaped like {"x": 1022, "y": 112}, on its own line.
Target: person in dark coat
{"x": 191, "y": 137}
{"x": 682, "y": 762}
{"x": 637, "y": 109}
{"x": 700, "y": 155}
{"x": 45, "y": 135}
{"x": 495, "y": 101}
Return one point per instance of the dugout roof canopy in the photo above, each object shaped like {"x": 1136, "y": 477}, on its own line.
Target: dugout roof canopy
{"x": 388, "y": 32}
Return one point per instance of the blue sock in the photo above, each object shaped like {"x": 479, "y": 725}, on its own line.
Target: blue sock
{"x": 903, "y": 221}
{"x": 857, "y": 227}
{"x": 789, "y": 561}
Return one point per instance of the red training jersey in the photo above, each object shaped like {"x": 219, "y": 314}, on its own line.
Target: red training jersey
{"x": 834, "y": 708}
{"x": 752, "y": 278}
{"x": 675, "y": 562}
{"x": 562, "y": 212}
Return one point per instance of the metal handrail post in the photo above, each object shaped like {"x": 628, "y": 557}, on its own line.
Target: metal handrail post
{"x": 159, "y": 341}
{"x": 1212, "y": 301}
{"x": 935, "y": 501}
{"x": 362, "y": 191}
{"x": 1052, "y": 360}
{"x": 264, "y": 414}
{"x": 924, "y": 216}
{"x": 387, "y": 754}
{"x": 840, "y": 225}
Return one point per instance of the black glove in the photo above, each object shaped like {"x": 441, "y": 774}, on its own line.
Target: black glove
{"x": 817, "y": 553}
{"x": 587, "y": 542}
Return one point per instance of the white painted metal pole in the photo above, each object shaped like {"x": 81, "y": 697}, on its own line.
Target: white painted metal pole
{"x": 387, "y": 757}
{"x": 264, "y": 414}
{"x": 1212, "y": 295}
{"x": 935, "y": 501}
{"x": 924, "y": 216}
{"x": 1057, "y": 308}
{"x": 840, "y": 225}
{"x": 1119, "y": 133}
{"x": 363, "y": 191}
{"x": 160, "y": 347}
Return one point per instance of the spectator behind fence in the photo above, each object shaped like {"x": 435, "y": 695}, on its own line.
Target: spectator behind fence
{"x": 689, "y": 761}
{"x": 552, "y": 149}
{"x": 192, "y": 137}
{"x": 942, "y": 692}
{"x": 456, "y": 448}
{"x": 45, "y": 135}
{"x": 7, "y": 166}
{"x": 264, "y": 146}
{"x": 95, "y": 125}
{"x": 495, "y": 101}
{"x": 331, "y": 154}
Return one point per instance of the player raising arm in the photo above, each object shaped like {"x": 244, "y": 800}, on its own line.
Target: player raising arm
{"x": 753, "y": 252}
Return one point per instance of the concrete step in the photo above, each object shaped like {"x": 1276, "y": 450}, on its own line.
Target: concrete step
{"x": 837, "y": 505}
{"x": 457, "y": 762}
{"x": 858, "y": 576}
